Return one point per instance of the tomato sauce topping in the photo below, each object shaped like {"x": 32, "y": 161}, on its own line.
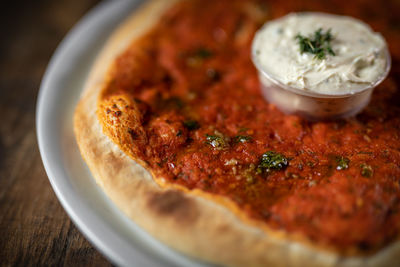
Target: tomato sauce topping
{"x": 204, "y": 124}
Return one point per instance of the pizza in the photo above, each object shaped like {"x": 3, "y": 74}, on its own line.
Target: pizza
{"x": 174, "y": 129}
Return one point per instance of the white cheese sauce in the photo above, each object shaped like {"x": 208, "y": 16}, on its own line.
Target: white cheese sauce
{"x": 359, "y": 59}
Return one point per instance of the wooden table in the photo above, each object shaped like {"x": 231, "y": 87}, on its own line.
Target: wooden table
{"x": 34, "y": 228}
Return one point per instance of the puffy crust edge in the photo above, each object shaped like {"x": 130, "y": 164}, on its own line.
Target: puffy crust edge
{"x": 187, "y": 222}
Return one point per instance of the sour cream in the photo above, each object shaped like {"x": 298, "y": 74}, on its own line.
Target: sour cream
{"x": 360, "y": 58}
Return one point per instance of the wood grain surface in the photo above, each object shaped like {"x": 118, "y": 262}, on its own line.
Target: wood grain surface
{"x": 34, "y": 228}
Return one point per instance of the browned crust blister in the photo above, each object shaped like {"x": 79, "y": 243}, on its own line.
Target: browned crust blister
{"x": 187, "y": 222}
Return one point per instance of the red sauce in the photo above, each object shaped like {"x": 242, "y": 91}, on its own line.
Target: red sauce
{"x": 195, "y": 77}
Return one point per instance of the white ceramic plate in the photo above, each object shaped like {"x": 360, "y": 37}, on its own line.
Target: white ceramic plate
{"x": 110, "y": 231}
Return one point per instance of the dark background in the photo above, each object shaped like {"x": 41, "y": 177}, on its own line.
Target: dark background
{"x": 34, "y": 228}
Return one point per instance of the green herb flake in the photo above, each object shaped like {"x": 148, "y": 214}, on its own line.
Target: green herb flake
{"x": 191, "y": 125}
{"x": 203, "y": 53}
{"x": 242, "y": 138}
{"x": 366, "y": 170}
{"x": 197, "y": 57}
{"x": 272, "y": 161}
{"x": 310, "y": 164}
{"x": 319, "y": 44}
{"x": 342, "y": 163}
{"x": 216, "y": 141}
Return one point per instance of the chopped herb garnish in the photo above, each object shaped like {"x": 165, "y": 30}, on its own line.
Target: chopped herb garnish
{"x": 366, "y": 170}
{"x": 242, "y": 138}
{"x": 191, "y": 125}
{"x": 196, "y": 57}
{"x": 216, "y": 141}
{"x": 162, "y": 162}
{"x": 319, "y": 45}
{"x": 342, "y": 163}
{"x": 203, "y": 53}
{"x": 272, "y": 161}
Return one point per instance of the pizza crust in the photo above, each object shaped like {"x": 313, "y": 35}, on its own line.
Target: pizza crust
{"x": 186, "y": 222}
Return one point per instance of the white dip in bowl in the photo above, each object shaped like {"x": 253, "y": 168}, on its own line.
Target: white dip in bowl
{"x": 321, "y": 66}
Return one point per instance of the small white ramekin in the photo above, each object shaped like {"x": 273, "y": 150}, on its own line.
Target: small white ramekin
{"x": 311, "y": 105}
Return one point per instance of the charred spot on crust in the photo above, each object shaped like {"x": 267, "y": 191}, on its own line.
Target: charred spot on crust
{"x": 173, "y": 204}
